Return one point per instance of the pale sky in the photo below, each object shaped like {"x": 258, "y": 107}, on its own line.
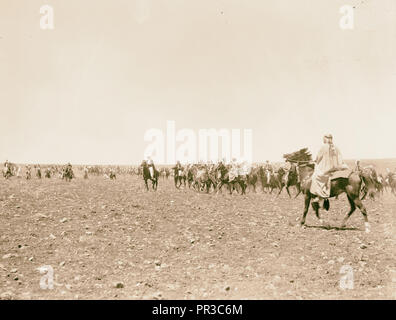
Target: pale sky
{"x": 87, "y": 91}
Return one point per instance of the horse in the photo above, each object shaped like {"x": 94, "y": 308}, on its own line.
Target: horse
{"x": 112, "y": 175}
{"x": 178, "y": 176}
{"x": 67, "y": 173}
{"x": 265, "y": 178}
{"x": 201, "y": 178}
{"x": 351, "y": 186}
{"x": 391, "y": 179}
{"x": 293, "y": 179}
{"x": 252, "y": 178}
{"x": 28, "y": 174}
{"x": 147, "y": 176}
{"x": 223, "y": 176}
{"x": 7, "y": 172}
{"x": 277, "y": 181}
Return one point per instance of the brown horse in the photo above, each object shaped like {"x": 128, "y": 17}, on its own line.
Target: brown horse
{"x": 391, "y": 180}
{"x": 277, "y": 180}
{"x": 223, "y": 176}
{"x": 293, "y": 180}
{"x": 351, "y": 186}
{"x": 147, "y": 176}
{"x": 252, "y": 178}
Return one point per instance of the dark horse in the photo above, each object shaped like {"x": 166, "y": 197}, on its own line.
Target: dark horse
{"x": 178, "y": 176}
{"x": 224, "y": 178}
{"x": 293, "y": 180}
{"x": 147, "y": 176}
{"x": 351, "y": 186}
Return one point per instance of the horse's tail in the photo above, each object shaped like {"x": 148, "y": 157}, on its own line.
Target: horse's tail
{"x": 367, "y": 186}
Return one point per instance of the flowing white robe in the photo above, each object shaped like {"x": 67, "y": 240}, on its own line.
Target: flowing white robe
{"x": 329, "y": 159}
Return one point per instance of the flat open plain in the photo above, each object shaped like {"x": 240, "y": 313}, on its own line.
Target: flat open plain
{"x": 113, "y": 240}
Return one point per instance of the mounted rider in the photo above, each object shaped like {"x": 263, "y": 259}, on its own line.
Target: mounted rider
{"x": 269, "y": 170}
{"x": 177, "y": 173}
{"x": 178, "y": 169}
{"x": 38, "y": 172}
{"x": 328, "y": 160}
{"x": 358, "y": 167}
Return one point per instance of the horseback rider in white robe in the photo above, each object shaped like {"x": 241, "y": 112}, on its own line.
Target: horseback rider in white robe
{"x": 329, "y": 160}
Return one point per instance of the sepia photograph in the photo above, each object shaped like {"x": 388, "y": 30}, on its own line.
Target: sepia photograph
{"x": 201, "y": 150}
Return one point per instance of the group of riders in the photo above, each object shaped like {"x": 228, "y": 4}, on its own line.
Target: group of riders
{"x": 326, "y": 177}
{"x": 239, "y": 176}
{"x": 64, "y": 172}
{"x": 319, "y": 180}
{"x": 236, "y": 176}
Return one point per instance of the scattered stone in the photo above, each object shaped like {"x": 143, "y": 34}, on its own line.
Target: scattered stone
{"x": 62, "y": 263}
{"x": 14, "y": 270}
{"x": 119, "y": 285}
{"x": 6, "y": 295}
{"x": 9, "y": 255}
{"x": 227, "y": 288}
{"x": 63, "y": 220}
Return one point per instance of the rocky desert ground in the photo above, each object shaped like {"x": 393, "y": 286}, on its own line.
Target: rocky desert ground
{"x": 102, "y": 239}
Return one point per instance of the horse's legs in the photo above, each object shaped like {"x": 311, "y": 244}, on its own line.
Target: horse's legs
{"x": 280, "y": 190}
{"x": 145, "y": 182}
{"x": 306, "y": 207}
{"x": 352, "y": 210}
{"x": 365, "y": 192}
{"x": 298, "y": 186}
{"x": 288, "y": 191}
{"x": 362, "y": 208}
{"x": 241, "y": 185}
{"x": 315, "y": 206}
{"x": 219, "y": 187}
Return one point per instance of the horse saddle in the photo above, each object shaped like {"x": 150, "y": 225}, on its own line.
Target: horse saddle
{"x": 343, "y": 173}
